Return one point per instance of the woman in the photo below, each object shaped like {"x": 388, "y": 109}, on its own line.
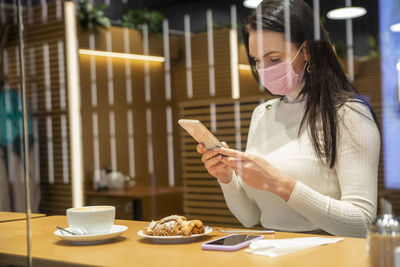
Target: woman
{"x": 312, "y": 155}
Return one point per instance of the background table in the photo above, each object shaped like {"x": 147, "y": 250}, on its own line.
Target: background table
{"x": 6, "y": 216}
{"x": 168, "y": 199}
{"x": 132, "y": 250}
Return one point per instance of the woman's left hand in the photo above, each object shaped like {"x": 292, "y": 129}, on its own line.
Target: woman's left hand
{"x": 258, "y": 173}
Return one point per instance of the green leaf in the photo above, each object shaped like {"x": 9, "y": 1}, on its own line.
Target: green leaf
{"x": 90, "y": 16}
{"x": 134, "y": 18}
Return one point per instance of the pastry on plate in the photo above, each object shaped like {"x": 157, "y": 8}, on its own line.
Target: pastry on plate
{"x": 174, "y": 225}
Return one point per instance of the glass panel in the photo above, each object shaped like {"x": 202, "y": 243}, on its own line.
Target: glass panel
{"x": 20, "y": 189}
{"x": 107, "y": 81}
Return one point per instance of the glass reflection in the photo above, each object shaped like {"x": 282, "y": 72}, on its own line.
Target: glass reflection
{"x": 105, "y": 124}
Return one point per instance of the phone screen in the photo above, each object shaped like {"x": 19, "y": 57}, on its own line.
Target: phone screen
{"x": 232, "y": 240}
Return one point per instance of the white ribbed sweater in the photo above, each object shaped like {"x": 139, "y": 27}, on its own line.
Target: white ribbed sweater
{"x": 340, "y": 201}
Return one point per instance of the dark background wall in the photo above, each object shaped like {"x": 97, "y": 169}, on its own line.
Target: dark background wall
{"x": 174, "y": 10}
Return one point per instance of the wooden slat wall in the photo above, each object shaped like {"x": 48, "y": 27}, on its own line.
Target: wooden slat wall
{"x": 157, "y": 105}
{"x": 56, "y": 197}
{"x": 200, "y": 72}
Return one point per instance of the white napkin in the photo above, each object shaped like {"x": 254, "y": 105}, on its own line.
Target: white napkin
{"x": 277, "y": 247}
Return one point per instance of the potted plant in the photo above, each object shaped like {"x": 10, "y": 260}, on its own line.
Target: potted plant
{"x": 135, "y": 18}
{"x": 91, "y": 16}
{"x": 373, "y": 47}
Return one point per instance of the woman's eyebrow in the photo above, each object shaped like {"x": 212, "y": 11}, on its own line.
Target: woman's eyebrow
{"x": 266, "y": 54}
{"x": 269, "y": 53}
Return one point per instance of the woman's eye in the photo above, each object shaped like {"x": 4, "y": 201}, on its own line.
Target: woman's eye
{"x": 274, "y": 59}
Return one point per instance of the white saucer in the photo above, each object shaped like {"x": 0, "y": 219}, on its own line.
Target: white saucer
{"x": 175, "y": 239}
{"x": 116, "y": 230}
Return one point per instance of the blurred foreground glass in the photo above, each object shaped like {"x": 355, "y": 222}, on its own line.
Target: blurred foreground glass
{"x": 16, "y": 135}
{"x": 383, "y": 238}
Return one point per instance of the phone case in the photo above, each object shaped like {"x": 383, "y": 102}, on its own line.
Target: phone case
{"x": 207, "y": 246}
{"x": 200, "y": 133}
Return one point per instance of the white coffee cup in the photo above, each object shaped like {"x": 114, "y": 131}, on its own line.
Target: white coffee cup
{"x": 91, "y": 219}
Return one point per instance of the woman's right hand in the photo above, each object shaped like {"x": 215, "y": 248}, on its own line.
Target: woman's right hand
{"x": 214, "y": 166}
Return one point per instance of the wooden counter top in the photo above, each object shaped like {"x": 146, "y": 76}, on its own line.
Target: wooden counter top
{"x": 6, "y": 216}
{"x": 132, "y": 250}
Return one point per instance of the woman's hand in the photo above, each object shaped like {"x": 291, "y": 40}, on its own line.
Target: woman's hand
{"x": 211, "y": 160}
{"x": 257, "y": 172}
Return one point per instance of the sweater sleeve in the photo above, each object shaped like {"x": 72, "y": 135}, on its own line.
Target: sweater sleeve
{"x": 244, "y": 208}
{"x": 357, "y": 170}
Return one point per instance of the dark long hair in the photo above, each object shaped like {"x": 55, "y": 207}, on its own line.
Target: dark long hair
{"x": 326, "y": 87}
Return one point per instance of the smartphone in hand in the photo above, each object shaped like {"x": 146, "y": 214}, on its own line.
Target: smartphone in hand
{"x": 200, "y": 133}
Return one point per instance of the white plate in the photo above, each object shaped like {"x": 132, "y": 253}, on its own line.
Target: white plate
{"x": 175, "y": 239}
{"x": 116, "y": 230}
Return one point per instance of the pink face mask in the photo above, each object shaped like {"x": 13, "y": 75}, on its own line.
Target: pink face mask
{"x": 281, "y": 79}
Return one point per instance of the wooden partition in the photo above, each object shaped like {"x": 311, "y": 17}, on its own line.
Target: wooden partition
{"x": 119, "y": 109}
{"x": 125, "y": 124}
{"x": 200, "y": 67}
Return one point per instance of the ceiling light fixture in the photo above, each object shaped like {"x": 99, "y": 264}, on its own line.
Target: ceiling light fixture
{"x": 346, "y": 13}
{"x": 251, "y": 3}
{"x": 395, "y": 27}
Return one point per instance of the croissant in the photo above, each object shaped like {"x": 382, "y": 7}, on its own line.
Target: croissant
{"x": 198, "y": 227}
{"x": 149, "y": 229}
{"x": 174, "y": 225}
{"x": 172, "y": 218}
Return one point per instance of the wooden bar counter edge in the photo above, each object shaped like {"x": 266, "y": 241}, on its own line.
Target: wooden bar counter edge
{"x": 7, "y": 216}
{"x": 133, "y": 250}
